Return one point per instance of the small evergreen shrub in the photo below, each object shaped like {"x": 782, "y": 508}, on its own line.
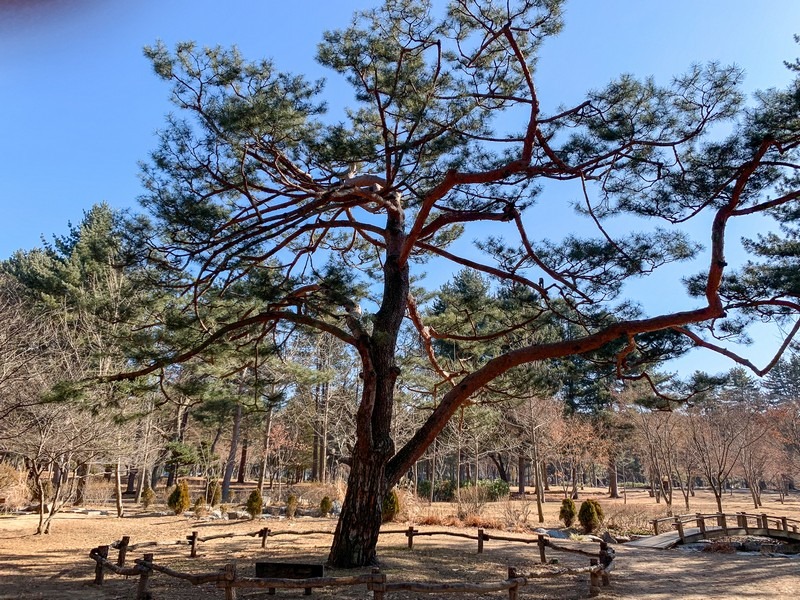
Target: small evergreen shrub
{"x": 590, "y": 515}
{"x": 147, "y": 497}
{"x": 291, "y": 506}
{"x": 325, "y": 506}
{"x": 214, "y": 493}
{"x": 390, "y": 507}
{"x": 179, "y": 499}
{"x": 200, "y": 508}
{"x": 567, "y": 512}
{"x": 254, "y": 503}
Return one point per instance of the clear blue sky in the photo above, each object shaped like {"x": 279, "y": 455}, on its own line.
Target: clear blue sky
{"x": 80, "y": 105}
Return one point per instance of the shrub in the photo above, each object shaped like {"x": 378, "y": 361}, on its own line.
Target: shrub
{"x": 254, "y": 503}
{"x": 567, "y": 512}
{"x": 390, "y": 507}
{"x": 179, "y": 499}
{"x": 148, "y": 495}
{"x": 200, "y": 508}
{"x": 590, "y": 515}
{"x": 291, "y": 506}
{"x": 325, "y": 506}
{"x": 443, "y": 492}
{"x": 495, "y": 488}
{"x": 214, "y": 493}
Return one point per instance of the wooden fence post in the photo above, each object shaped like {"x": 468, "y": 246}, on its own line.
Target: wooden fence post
{"x": 264, "y": 534}
{"x": 123, "y": 550}
{"x": 655, "y": 526}
{"x": 480, "y": 541}
{"x": 540, "y": 542}
{"x": 764, "y": 521}
{"x": 193, "y": 541}
{"x": 378, "y": 583}
{"x": 410, "y": 535}
{"x": 513, "y": 592}
{"x": 99, "y": 573}
{"x": 679, "y": 526}
{"x": 784, "y": 524}
{"x": 594, "y": 578}
{"x": 230, "y": 581}
{"x": 701, "y": 523}
{"x": 144, "y": 576}
{"x": 722, "y": 522}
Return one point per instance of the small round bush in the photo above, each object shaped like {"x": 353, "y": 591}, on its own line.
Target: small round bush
{"x": 291, "y": 506}
{"x": 254, "y": 503}
{"x": 567, "y": 512}
{"x": 590, "y": 515}
{"x": 390, "y": 507}
{"x": 325, "y": 506}
{"x": 179, "y": 499}
{"x": 147, "y": 497}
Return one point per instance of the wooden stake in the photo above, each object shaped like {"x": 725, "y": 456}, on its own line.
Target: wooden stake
{"x": 193, "y": 541}
{"x": 480, "y": 541}
{"x": 141, "y": 588}
{"x": 594, "y": 579}
{"x": 378, "y": 584}
{"x": 264, "y": 534}
{"x": 99, "y": 573}
{"x": 541, "y": 545}
{"x": 230, "y": 580}
{"x": 513, "y": 592}
{"x": 410, "y": 535}
{"x": 123, "y": 550}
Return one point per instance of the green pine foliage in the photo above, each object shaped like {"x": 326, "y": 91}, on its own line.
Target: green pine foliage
{"x": 391, "y": 506}
{"x": 214, "y": 493}
{"x": 567, "y": 512}
{"x": 291, "y": 506}
{"x": 590, "y": 515}
{"x": 254, "y": 503}
{"x": 325, "y": 506}
{"x": 179, "y": 500}
{"x": 147, "y": 497}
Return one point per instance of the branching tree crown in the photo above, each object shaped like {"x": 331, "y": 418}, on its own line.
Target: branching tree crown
{"x": 251, "y": 188}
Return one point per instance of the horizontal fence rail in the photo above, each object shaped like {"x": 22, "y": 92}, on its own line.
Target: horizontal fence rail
{"x": 600, "y": 566}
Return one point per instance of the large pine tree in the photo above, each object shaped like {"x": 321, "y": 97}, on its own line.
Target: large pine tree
{"x": 327, "y": 221}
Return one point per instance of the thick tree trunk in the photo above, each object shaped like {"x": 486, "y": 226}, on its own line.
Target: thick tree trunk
{"x": 243, "y": 462}
{"x": 356, "y": 535}
{"x": 359, "y": 524}
{"x": 230, "y": 464}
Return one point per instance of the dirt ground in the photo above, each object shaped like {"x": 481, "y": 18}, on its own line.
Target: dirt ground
{"x": 58, "y": 565}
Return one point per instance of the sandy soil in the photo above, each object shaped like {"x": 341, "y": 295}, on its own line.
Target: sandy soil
{"x": 58, "y": 566}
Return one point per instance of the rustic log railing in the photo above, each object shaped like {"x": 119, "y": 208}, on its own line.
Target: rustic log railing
{"x": 600, "y": 566}
{"x": 481, "y": 537}
{"x": 724, "y": 521}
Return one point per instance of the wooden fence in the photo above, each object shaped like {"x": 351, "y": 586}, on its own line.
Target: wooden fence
{"x": 725, "y": 521}
{"x": 599, "y": 567}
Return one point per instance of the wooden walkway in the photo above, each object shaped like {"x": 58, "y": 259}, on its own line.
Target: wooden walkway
{"x": 724, "y": 525}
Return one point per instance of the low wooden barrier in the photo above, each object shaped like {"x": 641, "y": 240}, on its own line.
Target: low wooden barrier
{"x": 599, "y": 568}
{"x": 725, "y": 521}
